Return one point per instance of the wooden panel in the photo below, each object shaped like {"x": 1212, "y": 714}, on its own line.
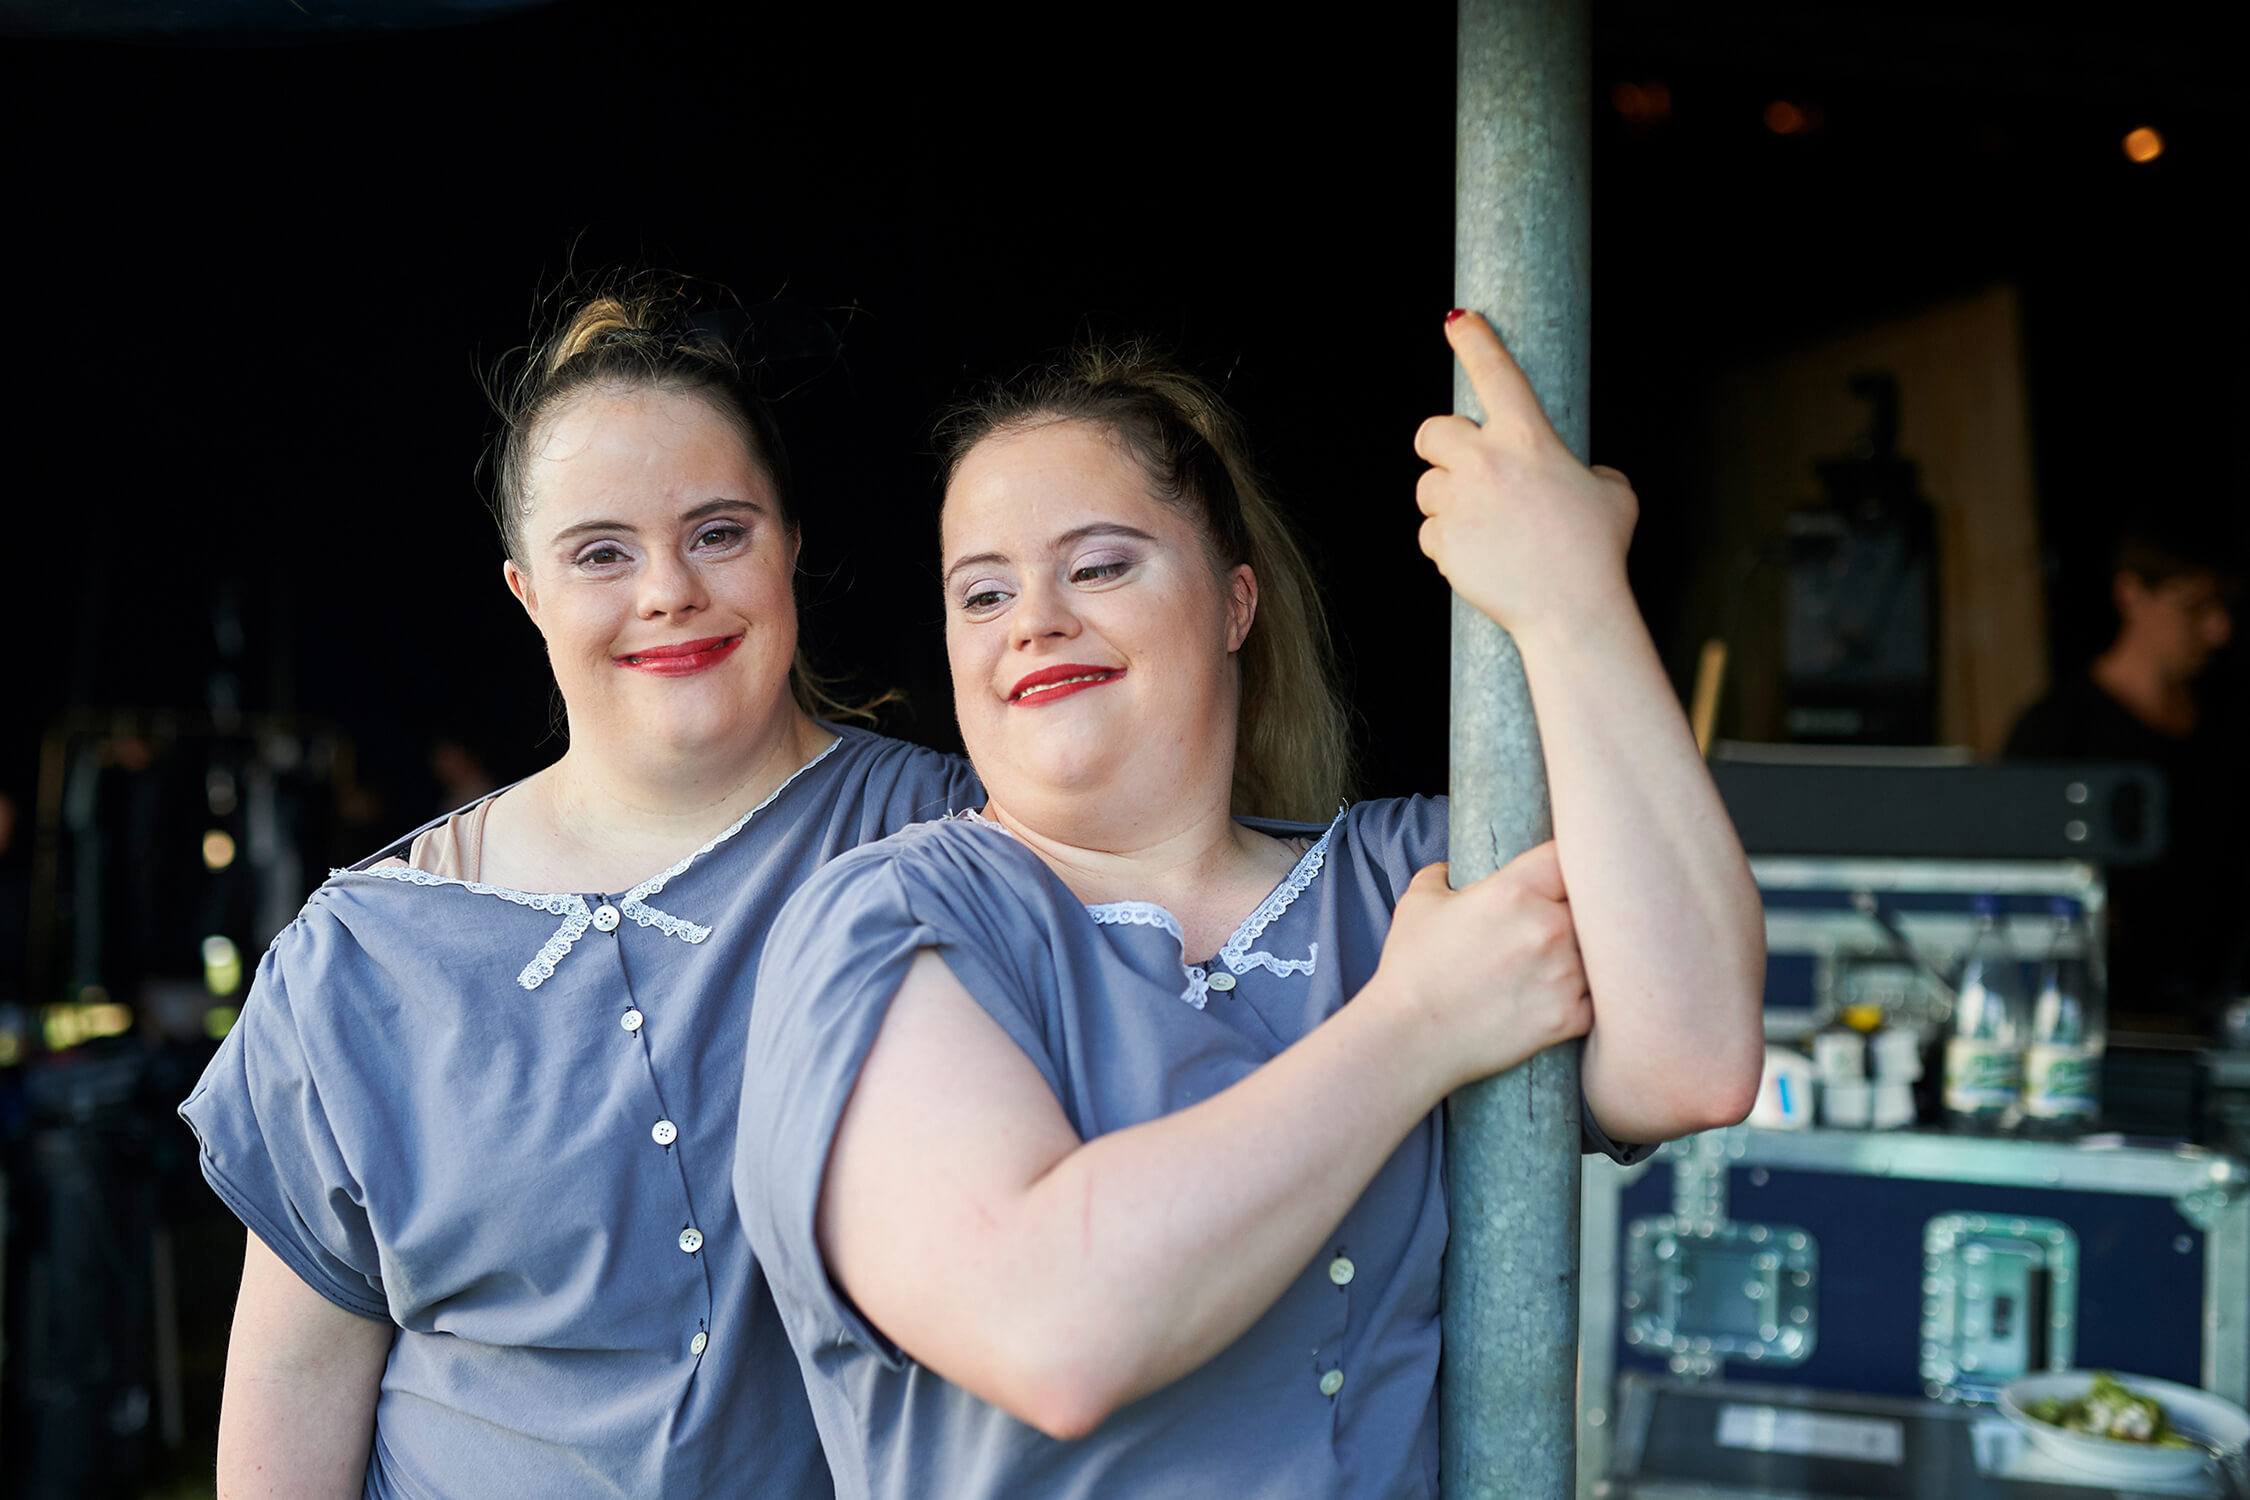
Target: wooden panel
{"x": 1964, "y": 419}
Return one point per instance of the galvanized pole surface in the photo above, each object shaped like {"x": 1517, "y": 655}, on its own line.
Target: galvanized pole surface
{"x": 1522, "y": 257}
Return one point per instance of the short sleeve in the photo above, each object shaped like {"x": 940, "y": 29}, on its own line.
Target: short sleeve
{"x": 1595, "y": 1141}
{"x": 835, "y": 960}
{"x": 268, "y": 1148}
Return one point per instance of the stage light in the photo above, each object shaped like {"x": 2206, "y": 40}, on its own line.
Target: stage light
{"x": 1784, "y": 118}
{"x": 218, "y": 849}
{"x": 222, "y": 965}
{"x": 219, "y": 1020}
{"x": 2143, "y": 145}
{"x": 66, "y": 1026}
{"x": 1642, "y": 103}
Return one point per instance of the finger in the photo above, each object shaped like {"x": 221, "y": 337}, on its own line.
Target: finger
{"x": 1615, "y": 476}
{"x": 1440, "y": 440}
{"x": 1430, "y": 491}
{"x": 1499, "y": 383}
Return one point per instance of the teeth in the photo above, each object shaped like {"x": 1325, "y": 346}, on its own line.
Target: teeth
{"x": 1066, "y": 682}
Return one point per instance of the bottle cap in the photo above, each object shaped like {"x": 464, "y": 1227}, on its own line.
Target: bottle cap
{"x": 1863, "y": 1017}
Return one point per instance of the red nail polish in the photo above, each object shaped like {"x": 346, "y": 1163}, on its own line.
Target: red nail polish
{"x": 1456, "y": 314}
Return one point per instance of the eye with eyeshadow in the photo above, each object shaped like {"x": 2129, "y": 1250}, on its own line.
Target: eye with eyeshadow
{"x": 980, "y": 597}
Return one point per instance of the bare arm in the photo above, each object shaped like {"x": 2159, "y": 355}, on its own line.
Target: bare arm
{"x": 298, "y": 1413}
{"x": 1060, "y": 1279}
{"x": 1667, "y": 915}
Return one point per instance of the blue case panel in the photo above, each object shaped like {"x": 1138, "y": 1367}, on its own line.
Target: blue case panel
{"x": 2140, "y": 1295}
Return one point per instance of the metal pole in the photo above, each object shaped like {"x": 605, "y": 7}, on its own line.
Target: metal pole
{"x": 1522, "y": 257}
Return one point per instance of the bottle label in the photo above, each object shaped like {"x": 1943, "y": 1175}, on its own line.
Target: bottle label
{"x": 1981, "y": 1076}
{"x": 2061, "y": 1081}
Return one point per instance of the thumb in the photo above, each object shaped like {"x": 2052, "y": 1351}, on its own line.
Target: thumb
{"x": 1539, "y": 871}
{"x": 1429, "y": 880}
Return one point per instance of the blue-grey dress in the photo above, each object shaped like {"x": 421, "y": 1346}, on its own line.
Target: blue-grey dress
{"x": 1333, "y": 1391}
{"x": 505, "y": 1122}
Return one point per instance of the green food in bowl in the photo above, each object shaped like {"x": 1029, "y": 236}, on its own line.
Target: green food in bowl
{"x": 2109, "y": 1410}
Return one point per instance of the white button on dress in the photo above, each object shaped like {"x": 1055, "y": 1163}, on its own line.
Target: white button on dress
{"x": 1341, "y": 1270}
{"x": 606, "y": 918}
{"x": 664, "y": 1132}
{"x": 691, "y": 1239}
{"x": 631, "y": 1020}
{"x": 1222, "y": 981}
{"x": 1332, "y": 1382}
{"x": 699, "y": 1343}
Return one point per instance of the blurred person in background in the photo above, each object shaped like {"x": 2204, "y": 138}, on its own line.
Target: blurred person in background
{"x": 2175, "y": 926}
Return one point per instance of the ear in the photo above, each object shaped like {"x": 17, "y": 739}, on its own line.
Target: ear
{"x": 519, "y": 584}
{"x": 1242, "y": 605}
{"x": 2129, "y": 594}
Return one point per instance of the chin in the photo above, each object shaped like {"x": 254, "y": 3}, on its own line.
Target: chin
{"x": 710, "y": 722}
{"x": 1075, "y": 771}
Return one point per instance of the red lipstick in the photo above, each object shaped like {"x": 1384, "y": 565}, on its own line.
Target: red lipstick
{"x": 1049, "y": 683}
{"x": 682, "y": 660}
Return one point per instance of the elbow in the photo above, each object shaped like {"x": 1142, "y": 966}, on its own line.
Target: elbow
{"x": 1065, "y": 1403}
{"x": 1729, "y": 1087}
{"x": 1065, "y": 1415}
{"x": 1720, "y": 1098}
{"x": 1062, "y": 1369}
{"x": 1727, "y": 1099}
{"x": 1703, "y": 1076}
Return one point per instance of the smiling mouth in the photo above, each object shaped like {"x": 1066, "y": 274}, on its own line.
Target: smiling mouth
{"x": 683, "y": 659}
{"x": 1052, "y": 687}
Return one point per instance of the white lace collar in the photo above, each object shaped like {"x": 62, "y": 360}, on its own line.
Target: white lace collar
{"x": 576, "y": 915}
{"x": 1236, "y": 952}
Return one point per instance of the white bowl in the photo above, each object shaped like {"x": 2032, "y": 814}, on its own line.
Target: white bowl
{"x": 2198, "y": 1415}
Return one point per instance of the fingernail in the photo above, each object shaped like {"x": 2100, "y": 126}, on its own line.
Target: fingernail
{"x": 1456, "y": 314}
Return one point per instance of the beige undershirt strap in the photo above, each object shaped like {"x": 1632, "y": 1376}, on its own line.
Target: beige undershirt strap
{"x": 454, "y": 850}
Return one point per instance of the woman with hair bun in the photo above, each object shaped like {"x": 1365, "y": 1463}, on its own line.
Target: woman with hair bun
{"x": 479, "y": 1110}
{"x": 1073, "y": 1170}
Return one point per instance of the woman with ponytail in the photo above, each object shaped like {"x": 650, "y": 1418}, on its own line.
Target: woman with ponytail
{"x": 1073, "y": 1170}
{"x": 479, "y": 1110}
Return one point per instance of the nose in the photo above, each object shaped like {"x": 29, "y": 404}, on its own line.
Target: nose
{"x": 1042, "y": 612}
{"x": 670, "y": 585}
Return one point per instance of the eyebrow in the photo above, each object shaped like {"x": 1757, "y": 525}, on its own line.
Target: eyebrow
{"x": 701, "y": 512}
{"x": 1075, "y": 534}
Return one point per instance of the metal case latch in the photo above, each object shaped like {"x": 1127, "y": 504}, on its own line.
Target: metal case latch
{"x": 1707, "y": 1292}
{"x": 1999, "y": 1300}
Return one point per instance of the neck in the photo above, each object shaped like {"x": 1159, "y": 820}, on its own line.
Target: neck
{"x": 642, "y": 801}
{"x": 2142, "y": 685}
{"x": 1174, "y": 850}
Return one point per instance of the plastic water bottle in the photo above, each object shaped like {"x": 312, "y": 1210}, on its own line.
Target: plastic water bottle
{"x": 2062, "y": 1064}
{"x": 1984, "y": 1052}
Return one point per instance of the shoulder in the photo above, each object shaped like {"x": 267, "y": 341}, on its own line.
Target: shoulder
{"x": 2075, "y": 718}
{"x": 1408, "y": 830}
{"x": 911, "y": 781}
{"x": 925, "y": 872}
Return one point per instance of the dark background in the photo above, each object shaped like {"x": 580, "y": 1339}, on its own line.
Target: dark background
{"x": 252, "y": 279}
{"x": 253, "y": 288}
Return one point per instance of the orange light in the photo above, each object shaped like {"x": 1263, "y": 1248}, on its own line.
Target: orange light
{"x": 2143, "y": 145}
{"x": 1642, "y": 103}
{"x": 1784, "y": 118}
